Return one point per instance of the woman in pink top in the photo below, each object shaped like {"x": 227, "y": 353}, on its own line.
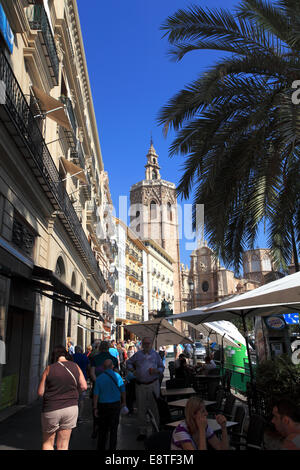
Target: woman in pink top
{"x": 59, "y": 387}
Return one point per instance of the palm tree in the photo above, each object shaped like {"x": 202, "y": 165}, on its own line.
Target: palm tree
{"x": 238, "y": 126}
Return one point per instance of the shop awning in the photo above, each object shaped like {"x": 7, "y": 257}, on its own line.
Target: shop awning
{"x": 74, "y": 170}
{"x": 56, "y": 290}
{"x": 54, "y": 108}
{"x": 65, "y": 293}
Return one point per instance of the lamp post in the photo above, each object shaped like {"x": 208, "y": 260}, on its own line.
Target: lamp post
{"x": 191, "y": 285}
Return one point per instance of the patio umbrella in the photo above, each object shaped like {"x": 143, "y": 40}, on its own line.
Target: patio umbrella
{"x": 280, "y": 296}
{"x": 160, "y": 331}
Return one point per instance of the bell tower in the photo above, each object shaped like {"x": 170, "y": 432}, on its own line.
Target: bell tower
{"x": 154, "y": 215}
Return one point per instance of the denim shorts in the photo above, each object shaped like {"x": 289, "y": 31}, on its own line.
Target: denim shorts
{"x": 56, "y": 420}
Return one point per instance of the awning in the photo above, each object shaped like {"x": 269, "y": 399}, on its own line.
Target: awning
{"x": 62, "y": 292}
{"x": 74, "y": 170}
{"x": 56, "y": 290}
{"x": 54, "y": 108}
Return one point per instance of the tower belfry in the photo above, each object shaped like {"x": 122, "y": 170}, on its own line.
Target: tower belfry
{"x": 152, "y": 166}
{"x": 154, "y": 215}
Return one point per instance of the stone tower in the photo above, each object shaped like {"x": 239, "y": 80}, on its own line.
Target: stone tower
{"x": 154, "y": 215}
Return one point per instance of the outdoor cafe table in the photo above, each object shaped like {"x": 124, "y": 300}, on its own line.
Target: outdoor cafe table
{"x": 212, "y": 423}
{"x": 182, "y": 403}
{"x": 167, "y": 392}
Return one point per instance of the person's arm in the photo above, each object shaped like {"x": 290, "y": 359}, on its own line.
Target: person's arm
{"x": 223, "y": 443}
{"x": 201, "y": 422}
{"x": 41, "y": 387}
{"x": 123, "y": 399}
{"x": 82, "y": 385}
{"x": 93, "y": 374}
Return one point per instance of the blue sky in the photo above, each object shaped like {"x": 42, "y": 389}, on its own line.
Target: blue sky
{"x": 132, "y": 77}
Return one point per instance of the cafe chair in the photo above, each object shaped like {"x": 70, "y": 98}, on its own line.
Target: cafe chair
{"x": 167, "y": 414}
{"x": 159, "y": 441}
{"x": 217, "y": 407}
{"x": 253, "y": 439}
{"x": 175, "y": 383}
{"x": 171, "y": 368}
{"x": 239, "y": 417}
{"x": 226, "y": 381}
{"x": 229, "y": 406}
{"x": 152, "y": 420}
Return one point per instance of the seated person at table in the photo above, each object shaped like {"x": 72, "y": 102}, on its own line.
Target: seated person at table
{"x": 194, "y": 432}
{"x": 182, "y": 369}
{"x": 286, "y": 419}
{"x": 209, "y": 364}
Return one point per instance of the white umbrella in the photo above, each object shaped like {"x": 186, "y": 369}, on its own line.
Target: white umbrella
{"x": 225, "y": 332}
{"x": 280, "y": 296}
{"x": 159, "y": 330}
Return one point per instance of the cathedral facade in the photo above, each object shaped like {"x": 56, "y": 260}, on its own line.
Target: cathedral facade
{"x": 206, "y": 281}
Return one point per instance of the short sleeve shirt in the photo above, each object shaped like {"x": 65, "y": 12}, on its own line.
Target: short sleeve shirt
{"x": 181, "y": 434}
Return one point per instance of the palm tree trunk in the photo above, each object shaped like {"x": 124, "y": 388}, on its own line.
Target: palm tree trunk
{"x": 295, "y": 253}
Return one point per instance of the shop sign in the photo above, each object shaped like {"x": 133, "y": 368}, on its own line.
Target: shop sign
{"x": 275, "y": 322}
{"x": 6, "y": 30}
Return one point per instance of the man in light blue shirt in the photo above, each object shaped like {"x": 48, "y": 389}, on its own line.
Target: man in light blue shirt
{"x": 114, "y": 352}
{"x": 109, "y": 398}
{"x": 147, "y": 367}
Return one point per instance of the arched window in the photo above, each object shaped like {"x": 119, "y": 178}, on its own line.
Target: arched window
{"x": 153, "y": 210}
{"x": 205, "y": 286}
{"x": 60, "y": 269}
{"x": 154, "y": 175}
{"x": 169, "y": 211}
{"x": 73, "y": 281}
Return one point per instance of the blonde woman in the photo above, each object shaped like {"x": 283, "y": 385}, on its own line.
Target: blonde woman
{"x": 194, "y": 432}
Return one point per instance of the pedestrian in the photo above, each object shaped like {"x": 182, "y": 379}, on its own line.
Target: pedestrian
{"x": 83, "y": 362}
{"x": 61, "y": 383}
{"x": 193, "y": 433}
{"x": 109, "y": 398}
{"x": 130, "y": 391}
{"x": 286, "y": 419}
{"x": 97, "y": 361}
{"x": 147, "y": 366}
{"x": 88, "y": 350}
{"x": 70, "y": 347}
{"x": 122, "y": 355}
{"x": 130, "y": 352}
{"x": 114, "y": 351}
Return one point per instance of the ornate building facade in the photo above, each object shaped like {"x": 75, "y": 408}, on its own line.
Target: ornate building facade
{"x": 206, "y": 281}
{"x": 54, "y": 268}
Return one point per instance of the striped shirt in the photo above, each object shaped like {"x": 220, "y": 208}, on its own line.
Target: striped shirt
{"x": 181, "y": 434}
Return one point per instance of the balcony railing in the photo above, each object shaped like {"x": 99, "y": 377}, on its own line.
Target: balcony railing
{"x": 22, "y": 126}
{"x": 68, "y": 103}
{"x": 38, "y": 20}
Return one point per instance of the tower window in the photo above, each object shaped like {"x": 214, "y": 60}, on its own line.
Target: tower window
{"x": 205, "y": 286}
{"x": 169, "y": 211}
{"x": 153, "y": 210}
{"x": 154, "y": 175}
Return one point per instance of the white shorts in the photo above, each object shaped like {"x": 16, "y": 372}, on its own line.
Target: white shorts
{"x": 66, "y": 418}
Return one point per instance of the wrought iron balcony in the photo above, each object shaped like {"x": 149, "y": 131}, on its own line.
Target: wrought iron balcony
{"x": 23, "y": 129}
{"x": 78, "y": 156}
{"x": 68, "y": 103}
{"x": 38, "y": 21}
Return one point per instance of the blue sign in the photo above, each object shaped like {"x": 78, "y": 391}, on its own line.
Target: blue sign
{"x": 291, "y": 318}
{"x": 6, "y": 30}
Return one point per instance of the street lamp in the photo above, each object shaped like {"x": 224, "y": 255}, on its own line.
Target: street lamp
{"x": 191, "y": 285}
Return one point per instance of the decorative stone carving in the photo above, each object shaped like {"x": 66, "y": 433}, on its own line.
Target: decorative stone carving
{"x": 23, "y": 238}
